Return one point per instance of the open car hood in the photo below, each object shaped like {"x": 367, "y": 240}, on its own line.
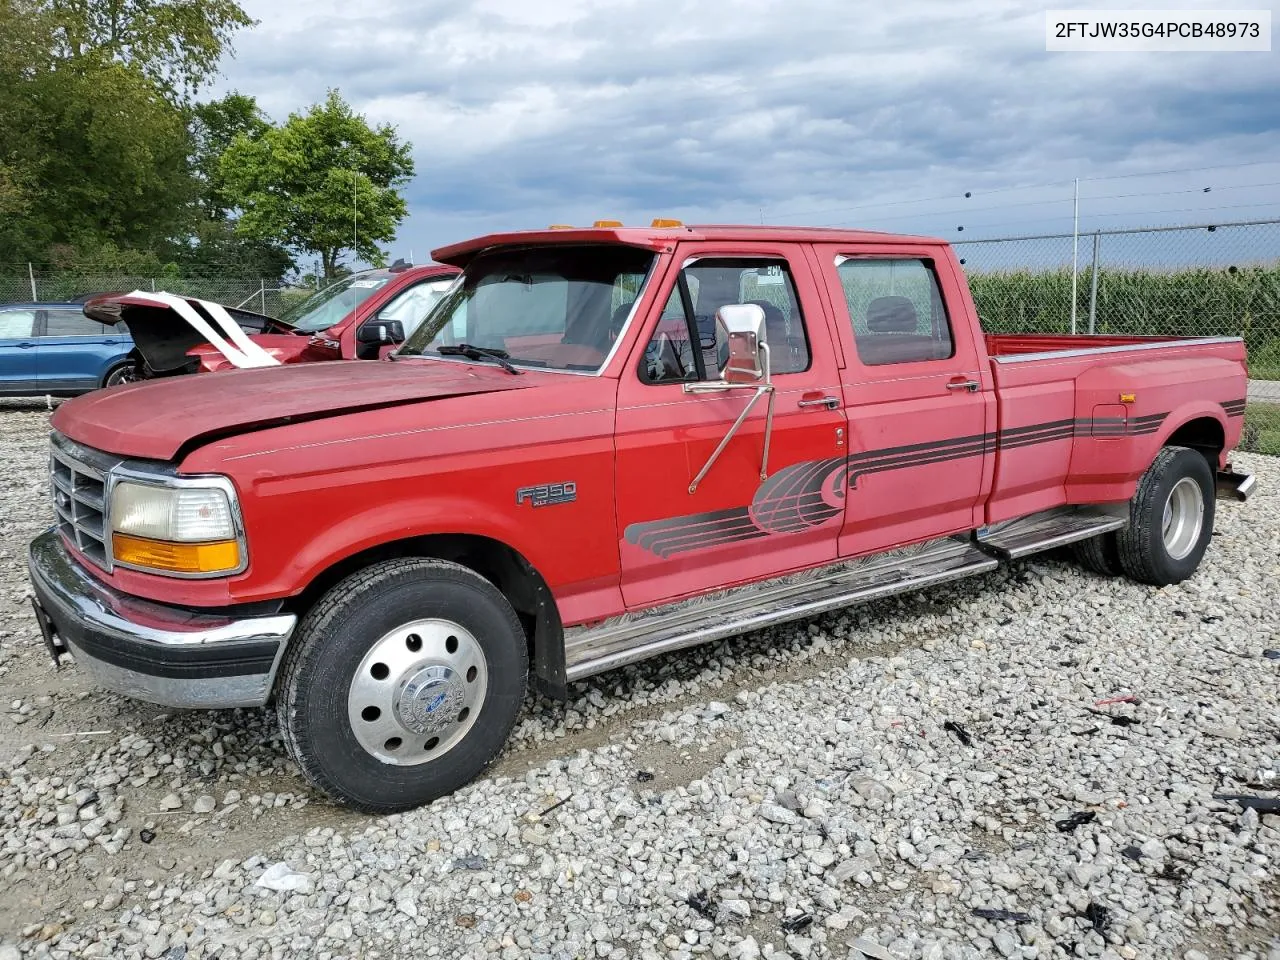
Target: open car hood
{"x": 165, "y": 329}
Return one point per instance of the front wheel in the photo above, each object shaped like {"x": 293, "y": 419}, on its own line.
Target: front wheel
{"x": 124, "y": 373}
{"x": 402, "y": 684}
{"x": 1170, "y": 518}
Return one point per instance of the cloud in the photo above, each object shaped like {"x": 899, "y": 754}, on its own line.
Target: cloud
{"x": 526, "y": 113}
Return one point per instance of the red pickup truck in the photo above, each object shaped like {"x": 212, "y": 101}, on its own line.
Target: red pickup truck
{"x": 356, "y": 318}
{"x": 602, "y": 444}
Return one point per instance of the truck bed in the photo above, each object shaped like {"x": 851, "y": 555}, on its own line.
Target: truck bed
{"x": 1019, "y": 344}
{"x": 1079, "y": 417}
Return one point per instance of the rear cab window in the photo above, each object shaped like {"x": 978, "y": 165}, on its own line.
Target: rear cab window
{"x": 896, "y": 309}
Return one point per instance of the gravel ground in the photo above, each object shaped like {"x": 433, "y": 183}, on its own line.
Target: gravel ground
{"x": 941, "y": 775}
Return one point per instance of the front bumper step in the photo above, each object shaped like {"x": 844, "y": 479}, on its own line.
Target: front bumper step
{"x": 149, "y": 651}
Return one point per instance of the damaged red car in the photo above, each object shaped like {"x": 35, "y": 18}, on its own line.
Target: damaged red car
{"x": 360, "y": 317}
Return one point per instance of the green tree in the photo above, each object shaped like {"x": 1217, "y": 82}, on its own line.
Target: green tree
{"x": 214, "y": 125}
{"x": 95, "y": 147}
{"x": 215, "y": 248}
{"x": 175, "y": 43}
{"x": 323, "y": 183}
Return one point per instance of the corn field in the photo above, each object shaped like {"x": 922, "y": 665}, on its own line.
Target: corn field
{"x": 1214, "y": 280}
{"x": 1202, "y": 302}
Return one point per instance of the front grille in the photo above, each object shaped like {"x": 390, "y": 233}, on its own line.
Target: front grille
{"x": 78, "y": 486}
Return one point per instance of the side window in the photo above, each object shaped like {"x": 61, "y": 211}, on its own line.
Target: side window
{"x": 411, "y": 306}
{"x": 16, "y": 323}
{"x": 684, "y": 347}
{"x": 70, "y": 323}
{"x": 896, "y": 309}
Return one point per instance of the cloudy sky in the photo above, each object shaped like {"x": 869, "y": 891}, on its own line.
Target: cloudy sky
{"x": 882, "y": 115}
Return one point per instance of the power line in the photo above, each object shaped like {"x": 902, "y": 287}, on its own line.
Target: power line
{"x": 1052, "y": 200}
{"x": 1140, "y": 213}
{"x": 1033, "y": 186}
{"x": 1163, "y": 173}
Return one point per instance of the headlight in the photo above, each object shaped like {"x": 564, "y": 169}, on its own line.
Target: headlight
{"x": 188, "y": 529}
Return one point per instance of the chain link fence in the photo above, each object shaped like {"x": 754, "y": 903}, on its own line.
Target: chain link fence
{"x": 1206, "y": 280}
{"x": 22, "y": 283}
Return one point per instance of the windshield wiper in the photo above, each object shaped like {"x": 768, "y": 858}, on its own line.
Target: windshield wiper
{"x": 478, "y": 353}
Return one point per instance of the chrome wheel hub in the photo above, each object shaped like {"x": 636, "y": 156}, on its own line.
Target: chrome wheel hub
{"x": 431, "y": 699}
{"x": 1183, "y": 518}
{"x": 417, "y": 692}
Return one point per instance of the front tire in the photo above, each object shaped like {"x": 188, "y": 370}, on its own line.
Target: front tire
{"x": 1170, "y": 519}
{"x": 124, "y": 373}
{"x": 402, "y": 684}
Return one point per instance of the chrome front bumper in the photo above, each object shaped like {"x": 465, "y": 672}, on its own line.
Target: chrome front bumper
{"x": 149, "y": 651}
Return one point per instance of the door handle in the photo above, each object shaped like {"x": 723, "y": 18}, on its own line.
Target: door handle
{"x": 24, "y": 346}
{"x": 970, "y": 385}
{"x": 831, "y": 403}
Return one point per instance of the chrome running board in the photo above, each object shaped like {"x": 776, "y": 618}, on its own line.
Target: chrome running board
{"x": 637, "y": 636}
{"x": 1052, "y": 528}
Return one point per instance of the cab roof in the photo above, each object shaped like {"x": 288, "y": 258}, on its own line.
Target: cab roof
{"x": 660, "y": 238}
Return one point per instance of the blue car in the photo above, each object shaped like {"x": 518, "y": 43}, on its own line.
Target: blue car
{"x": 53, "y": 348}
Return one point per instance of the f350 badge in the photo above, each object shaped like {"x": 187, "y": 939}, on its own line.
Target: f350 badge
{"x": 546, "y": 494}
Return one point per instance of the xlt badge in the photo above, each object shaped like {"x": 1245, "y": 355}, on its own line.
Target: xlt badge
{"x": 546, "y": 494}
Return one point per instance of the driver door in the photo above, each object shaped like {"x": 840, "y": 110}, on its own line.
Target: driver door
{"x": 732, "y": 526}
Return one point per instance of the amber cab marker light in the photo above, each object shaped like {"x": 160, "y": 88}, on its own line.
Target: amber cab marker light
{"x": 659, "y": 222}
{"x": 607, "y": 223}
{"x": 1128, "y": 397}
{"x": 173, "y": 557}
{"x": 560, "y": 226}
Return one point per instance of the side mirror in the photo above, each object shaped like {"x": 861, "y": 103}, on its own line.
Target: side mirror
{"x": 742, "y": 325}
{"x": 384, "y": 331}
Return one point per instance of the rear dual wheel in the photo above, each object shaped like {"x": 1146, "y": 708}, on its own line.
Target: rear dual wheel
{"x": 402, "y": 684}
{"x": 1170, "y": 522}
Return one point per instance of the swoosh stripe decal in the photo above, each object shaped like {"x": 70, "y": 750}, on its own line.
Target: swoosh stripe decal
{"x": 792, "y": 500}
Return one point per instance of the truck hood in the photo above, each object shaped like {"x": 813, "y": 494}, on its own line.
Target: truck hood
{"x": 156, "y": 419}
{"x": 165, "y": 339}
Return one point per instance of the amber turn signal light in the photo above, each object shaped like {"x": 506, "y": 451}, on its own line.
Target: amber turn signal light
{"x": 170, "y": 557}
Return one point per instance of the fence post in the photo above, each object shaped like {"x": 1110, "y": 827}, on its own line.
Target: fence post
{"x": 1093, "y": 282}
{"x": 262, "y": 294}
{"x": 31, "y": 272}
{"x": 1075, "y": 250}
{"x": 153, "y": 284}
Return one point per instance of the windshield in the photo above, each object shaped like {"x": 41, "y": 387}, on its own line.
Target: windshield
{"x": 326, "y": 307}
{"x": 554, "y": 307}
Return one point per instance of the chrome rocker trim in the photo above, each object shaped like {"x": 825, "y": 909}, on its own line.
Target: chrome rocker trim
{"x": 149, "y": 651}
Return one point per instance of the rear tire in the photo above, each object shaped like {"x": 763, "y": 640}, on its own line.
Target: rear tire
{"x": 402, "y": 684}
{"x": 1099, "y": 554}
{"x": 1170, "y": 518}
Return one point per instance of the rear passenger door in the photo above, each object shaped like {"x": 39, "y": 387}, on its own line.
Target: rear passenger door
{"x": 731, "y": 526}
{"x": 17, "y": 350}
{"x": 74, "y": 351}
{"x": 918, "y": 398}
